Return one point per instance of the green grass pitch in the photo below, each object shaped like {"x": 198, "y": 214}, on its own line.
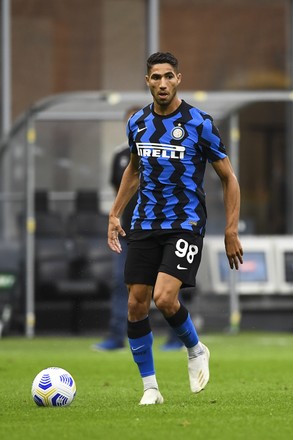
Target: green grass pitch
{"x": 250, "y": 394}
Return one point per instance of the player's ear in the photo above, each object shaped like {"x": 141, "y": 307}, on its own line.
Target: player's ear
{"x": 179, "y": 77}
{"x": 147, "y": 80}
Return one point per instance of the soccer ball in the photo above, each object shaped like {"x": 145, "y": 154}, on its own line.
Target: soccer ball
{"x": 53, "y": 386}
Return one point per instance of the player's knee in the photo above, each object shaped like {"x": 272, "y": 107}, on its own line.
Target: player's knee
{"x": 138, "y": 306}
{"x": 165, "y": 304}
{"x": 137, "y": 310}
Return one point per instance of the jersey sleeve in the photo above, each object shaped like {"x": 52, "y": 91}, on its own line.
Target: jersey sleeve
{"x": 210, "y": 141}
{"x": 129, "y": 134}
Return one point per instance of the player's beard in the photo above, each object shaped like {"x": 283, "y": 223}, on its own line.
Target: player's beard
{"x": 164, "y": 102}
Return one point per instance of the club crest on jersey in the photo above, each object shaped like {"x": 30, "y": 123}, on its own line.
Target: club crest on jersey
{"x": 177, "y": 133}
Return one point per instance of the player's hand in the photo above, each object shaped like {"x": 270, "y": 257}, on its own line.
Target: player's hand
{"x": 114, "y": 230}
{"x": 234, "y": 250}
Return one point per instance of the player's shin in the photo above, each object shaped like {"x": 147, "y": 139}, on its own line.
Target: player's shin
{"x": 184, "y": 328}
{"x": 141, "y": 341}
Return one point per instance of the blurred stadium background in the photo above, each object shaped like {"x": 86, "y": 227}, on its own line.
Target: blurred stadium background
{"x": 69, "y": 70}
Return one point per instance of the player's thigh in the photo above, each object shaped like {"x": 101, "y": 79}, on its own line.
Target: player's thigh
{"x": 166, "y": 290}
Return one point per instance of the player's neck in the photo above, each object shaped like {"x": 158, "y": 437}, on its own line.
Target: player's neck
{"x": 164, "y": 110}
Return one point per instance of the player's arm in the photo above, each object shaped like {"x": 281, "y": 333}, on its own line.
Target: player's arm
{"x": 231, "y": 193}
{"x": 128, "y": 187}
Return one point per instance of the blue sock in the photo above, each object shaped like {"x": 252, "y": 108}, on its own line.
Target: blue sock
{"x": 187, "y": 333}
{"x": 142, "y": 353}
{"x": 140, "y": 339}
{"x": 183, "y": 326}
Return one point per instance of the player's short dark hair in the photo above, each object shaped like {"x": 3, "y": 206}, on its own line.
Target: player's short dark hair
{"x": 161, "y": 58}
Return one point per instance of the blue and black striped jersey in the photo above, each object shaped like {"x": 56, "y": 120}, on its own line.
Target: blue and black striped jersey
{"x": 173, "y": 152}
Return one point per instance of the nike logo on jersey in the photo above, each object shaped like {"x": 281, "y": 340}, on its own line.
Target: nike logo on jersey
{"x": 181, "y": 267}
{"x": 141, "y": 129}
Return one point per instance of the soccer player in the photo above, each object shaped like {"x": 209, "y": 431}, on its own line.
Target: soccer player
{"x": 170, "y": 143}
{"x": 119, "y": 294}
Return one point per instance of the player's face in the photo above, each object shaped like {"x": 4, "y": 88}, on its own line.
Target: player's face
{"x": 163, "y": 82}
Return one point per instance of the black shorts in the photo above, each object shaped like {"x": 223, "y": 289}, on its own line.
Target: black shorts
{"x": 177, "y": 253}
